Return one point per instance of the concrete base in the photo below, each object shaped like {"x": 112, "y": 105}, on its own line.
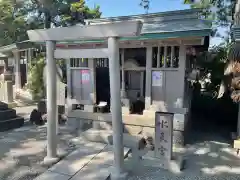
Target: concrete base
{"x": 116, "y": 176}
{"x": 48, "y": 161}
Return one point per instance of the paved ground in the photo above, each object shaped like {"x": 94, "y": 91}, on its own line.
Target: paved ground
{"x": 208, "y": 160}
{"x": 22, "y": 151}
{"x": 208, "y": 156}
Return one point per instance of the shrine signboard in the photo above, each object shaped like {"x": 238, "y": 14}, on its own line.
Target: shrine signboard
{"x": 85, "y": 79}
{"x": 82, "y": 85}
{"x": 163, "y": 135}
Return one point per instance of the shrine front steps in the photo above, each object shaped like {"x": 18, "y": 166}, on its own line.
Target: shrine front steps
{"x": 8, "y": 118}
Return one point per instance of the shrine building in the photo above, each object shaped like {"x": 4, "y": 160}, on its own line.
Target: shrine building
{"x": 154, "y": 69}
{"x": 155, "y": 66}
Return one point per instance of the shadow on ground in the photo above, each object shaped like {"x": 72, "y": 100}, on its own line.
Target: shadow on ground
{"x": 23, "y": 150}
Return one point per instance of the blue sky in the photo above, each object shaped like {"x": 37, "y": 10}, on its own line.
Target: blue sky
{"x": 129, "y": 7}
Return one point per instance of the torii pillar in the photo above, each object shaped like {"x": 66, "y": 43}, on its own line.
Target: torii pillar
{"x": 111, "y": 32}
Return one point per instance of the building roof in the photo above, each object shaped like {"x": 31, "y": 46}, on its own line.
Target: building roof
{"x": 164, "y": 22}
{"x": 163, "y": 25}
{"x": 168, "y": 15}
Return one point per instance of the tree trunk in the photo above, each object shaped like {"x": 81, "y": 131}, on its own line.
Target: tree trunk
{"x": 47, "y": 21}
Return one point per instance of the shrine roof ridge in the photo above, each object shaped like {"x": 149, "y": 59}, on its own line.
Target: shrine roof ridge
{"x": 170, "y": 14}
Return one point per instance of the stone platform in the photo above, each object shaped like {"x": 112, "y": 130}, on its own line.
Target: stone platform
{"x": 8, "y": 118}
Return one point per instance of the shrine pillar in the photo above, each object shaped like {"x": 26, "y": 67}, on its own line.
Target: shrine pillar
{"x": 51, "y": 72}
{"x": 148, "y": 89}
{"x": 117, "y": 125}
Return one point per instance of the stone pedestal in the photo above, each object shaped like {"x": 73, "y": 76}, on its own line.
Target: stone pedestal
{"x": 7, "y": 85}
{"x": 8, "y": 91}
{"x": 49, "y": 161}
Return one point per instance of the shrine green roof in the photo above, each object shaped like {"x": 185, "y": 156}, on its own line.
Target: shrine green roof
{"x": 163, "y": 25}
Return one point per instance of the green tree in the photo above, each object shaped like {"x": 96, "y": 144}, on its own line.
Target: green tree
{"x": 35, "y": 78}
{"x": 62, "y": 12}
{"x": 12, "y": 22}
{"x": 16, "y": 17}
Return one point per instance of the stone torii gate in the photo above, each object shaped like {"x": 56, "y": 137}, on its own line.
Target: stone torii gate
{"x": 110, "y": 32}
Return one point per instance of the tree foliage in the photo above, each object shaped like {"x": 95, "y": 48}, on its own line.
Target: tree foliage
{"x": 35, "y": 78}
{"x": 63, "y": 12}
{"x": 12, "y": 22}
{"x": 16, "y": 17}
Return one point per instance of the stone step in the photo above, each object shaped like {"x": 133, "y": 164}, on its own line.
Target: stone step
{"x": 7, "y": 114}
{"x": 105, "y": 136}
{"x": 13, "y": 123}
{"x": 3, "y": 106}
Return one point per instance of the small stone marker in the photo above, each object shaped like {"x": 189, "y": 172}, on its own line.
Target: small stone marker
{"x": 163, "y": 135}
{"x": 162, "y": 156}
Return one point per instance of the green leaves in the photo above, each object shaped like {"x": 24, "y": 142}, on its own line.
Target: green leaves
{"x": 12, "y": 22}
{"x": 35, "y": 81}
{"x": 18, "y": 17}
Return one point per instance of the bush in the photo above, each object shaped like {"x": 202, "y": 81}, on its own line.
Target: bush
{"x": 35, "y": 81}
